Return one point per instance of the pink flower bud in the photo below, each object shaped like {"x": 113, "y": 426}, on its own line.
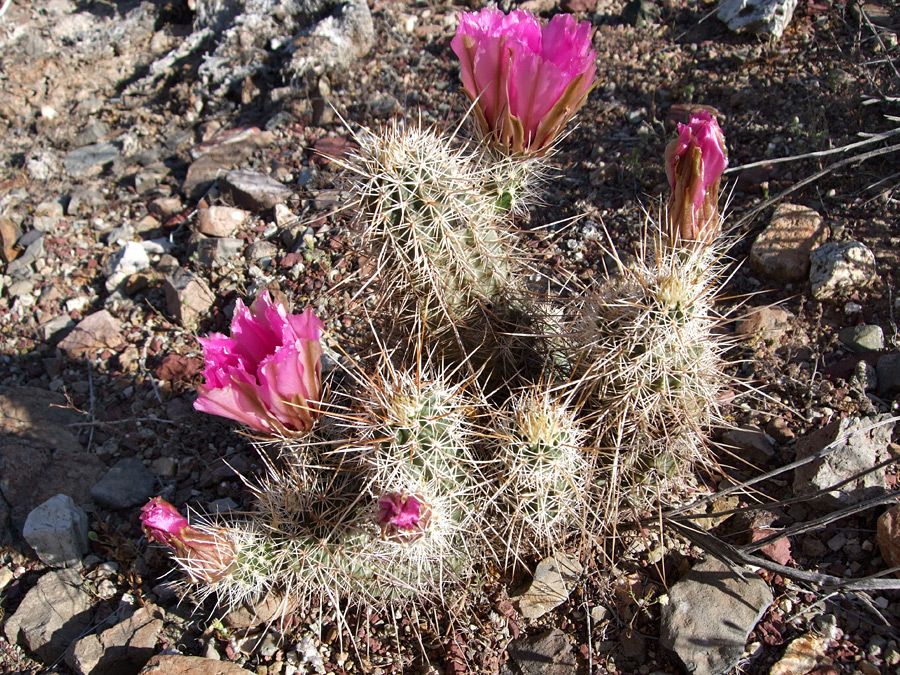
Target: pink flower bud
{"x": 403, "y": 517}
{"x": 526, "y": 80}
{"x": 268, "y": 374}
{"x": 694, "y": 165}
{"x": 205, "y": 555}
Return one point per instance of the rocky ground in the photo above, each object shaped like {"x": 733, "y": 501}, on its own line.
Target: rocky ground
{"x": 163, "y": 158}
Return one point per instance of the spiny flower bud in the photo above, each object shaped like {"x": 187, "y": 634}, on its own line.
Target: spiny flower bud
{"x": 268, "y": 374}
{"x": 694, "y": 165}
{"x": 403, "y": 517}
{"x": 525, "y": 80}
{"x": 205, "y": 555}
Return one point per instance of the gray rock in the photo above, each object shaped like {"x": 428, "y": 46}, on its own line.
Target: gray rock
{"x": 217, "y": 251}
{"x": 768, "y": 17}
{"x": 84, "y": 202}
{"x": 94, "y": 131}
{"x": 90, "y": 160}
{"x": 709, "y": 616}
{"x": 781, "y": 251}
{"x": 862, "y": 338}
{"x": 187, "y": 296}
{"x": 840, "y": 268}
{"x": 121, "y": 650}
{"x": 127, "y": 260}
{"x": 21, "y": 266}
{"x": 52, "y": 615}
{"x": 548, "y": 653}
{"x": 860, "y": 451}
{"x": 260, "y": 251}
{"x": 127, "y": 483}
{"x": 253, "y": 190}
{"x": 336, "y": 41}
{"x": 888, "y": 373}
{"x": 550, "y": 587}
{"x": 100, "y": 330}
{"x": 57, "y": 530}
{"x": 220, "y": 221}
{"x": 383, "y": 105}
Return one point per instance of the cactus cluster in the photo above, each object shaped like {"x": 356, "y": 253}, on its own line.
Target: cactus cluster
{"x": 489, "y": 425}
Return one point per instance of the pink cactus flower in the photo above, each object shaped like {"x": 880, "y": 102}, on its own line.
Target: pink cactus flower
{"x": 694, "y": 165}
{"x": 206, "y": 556}
{"x": 268, "y": 374}
{"x": 403, "y": 517}
{"x": 526, "y": 80}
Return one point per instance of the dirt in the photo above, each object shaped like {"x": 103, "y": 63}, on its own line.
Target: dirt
{"x": 830, "y": 81}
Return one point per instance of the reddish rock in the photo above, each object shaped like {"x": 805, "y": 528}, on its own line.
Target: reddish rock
{"x": 220, "y": 221}
{"x": 781, "y": 251}
{"x": 9, "y": 235}
{"x": 888, "y": 537}
{"x": 176, "y": 664}
{"x": 100, "y": 330}
{"x": 778, "y": 550}
{"x": 766, "y": 323}
{"x": 578, "y": 5}
{"x": 332, "y": 147}
{"x": 178, "y": 367}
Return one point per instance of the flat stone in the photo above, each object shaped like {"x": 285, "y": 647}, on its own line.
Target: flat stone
{"x": 862, "y": 338}
{"x": 767, "y": 17}
{"x": 750, "y": 444}
{"x": 129, "y": 259}
{"x": 253, "y": 190}
{"x": 766, "y": 324}
{"x": 176, "y": 664}
{"x": 220, "y": 221}
{"x": 100, "y": 330}
{"x": 548, "y": 653}
{"x": 777, "y": 550}
{"x": 217, "y": 251}
{"x": 860, "y": 451}
{"x": 123, "y": 649}
{"x": 9, "y": 235}
{"x": 782, "y": 251}
{"x": 188, "y": 298}
{"x": 260, "y": 250}
{"x": 887, "y": 370}
{"x": 709, "y": 616}
{"x": 802, "y": 655}
{"x": 84, "y": 201}
{"x": 550, "y": 587}
{"x": 266, "y": 611}
{"x": 20, "y": 267}
{"x": 57, "y": 530}
{"x": 127, "y": 483}
{"x": 47, "y": 216}
{"x": 40, "y": 456}
{"x": 93, "y": 132}
{"x": 888, "y": 537}
{"x": 90, "y": 159}
{"x": 839, "y": 269}
{"x": 52, "y": 615}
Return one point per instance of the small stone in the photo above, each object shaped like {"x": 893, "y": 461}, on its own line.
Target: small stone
{"x": 752, "y": 445}
{"x": 840, "y": 269}
{"x": 858, "y": 452}
{"x": 550, "y": 587}
{"x": 85, "y": 201}
{"x": 862, "y": 338}
{"x": 57, "y": 530}
{"x": 21, "y": 266}
{"x": 548, "y": 653}
{"x": 768, "y": 17}
{"x": 710, "y": 614}
{"x": 127, "y": 483}
{"x": 217, "y": 251}
{"x": 47, "y": 216}
{"x": 284, "y": 217}
{"x": 52, "y": 615}
{"x": 779, "y": 429}
{"x": 128, "y": 260}
{"x": 93, "y": 132}
{"x": 266, "y": 611}
{"x": 6, "y": 578}
{"x": 782, "y": 251}
{"x": 187, "y": 296}
{"x": 176, "y": 664}
{"x": 383, "y": 105}
{"x": 801, "y": 655}
{"x": 90, "y": 160}
{"x": 778, "y": 550}
{"x": 123, "y": 648}
{"x": 888, "y": 537}
{"x": 767, "y": 324}
{"x": 100, "y": 330}
{"x": 165, "y": 207}
{"x": 9, "y": 235}
{"x": 253, "y": 190}
{"x": 164, "y": 467}
{"x": 220, "y": 221}
{"x": 260, "y": 251}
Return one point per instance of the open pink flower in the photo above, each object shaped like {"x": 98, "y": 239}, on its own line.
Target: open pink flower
{"x": 694, "y": 165}
{"x": 403, "y": 517}
{"x": 526, "y": 80}
{"x": 205, "y": 555}
{"x": 268, "y": 373}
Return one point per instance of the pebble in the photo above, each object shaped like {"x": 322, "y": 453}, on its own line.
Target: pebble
{"x": 383, "y": 105}
{"x": 220, "y": 221}
{"x": 254, "y": 191}
{"x": 801, "y": 655}
{"x": 888, "y": 537}
{"x": 553, "y": 580}
{"x": 90, "y": 159}
{"x": 21, "y": 266}
{"x": 750, "y": 444}
{"x": 57, "y": 530}
{"x": 128, "y": 483}
{"x": 887, "y": 369}
{"x": 764, "y": 17}
{"x": 547, "y": 653}
{"x": 782, "y": 251}
{"x": 217, "y": 251}
{"x": 767, "y": 324}
{"x": 188, "y": 297}
{"x": 840, "y": 269}
{"x": 127, "y": 260}
{"x": 869, "y": 338}
{"x": 260, "y": 251}
{"x": 47, "y": 216}
{"x": 100, "y": 330}
{"x": 123, "y": 648}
